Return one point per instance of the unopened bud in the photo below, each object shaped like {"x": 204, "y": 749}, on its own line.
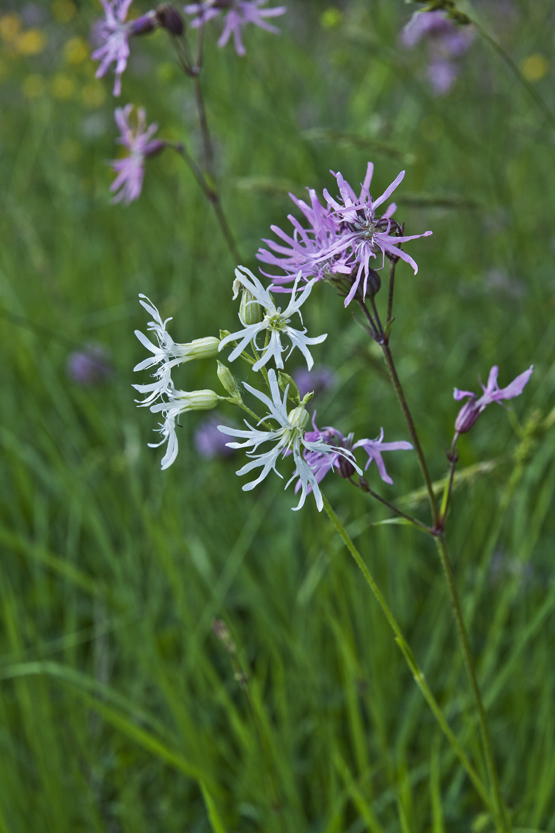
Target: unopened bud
{"x": 373, "y": 283}
{"x": 229, "y": 381}
{"x": 203, "y": 348}
{"x": 199, "y": 400}
{"x": 467, "y": 416}
{"x": 287, "y": 383}
{"x": 169, "y": 18}
{"x": 143, "y": 25}
{"x": 298, "y": 417}
{"x": 345, "y": 468}
{"x": 250, "y": 311}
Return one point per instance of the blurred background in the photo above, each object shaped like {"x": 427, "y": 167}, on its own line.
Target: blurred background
{"x": 120, "y": 709}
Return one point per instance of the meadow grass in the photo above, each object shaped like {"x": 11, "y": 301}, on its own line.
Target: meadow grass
{"x": 120, "y": 710}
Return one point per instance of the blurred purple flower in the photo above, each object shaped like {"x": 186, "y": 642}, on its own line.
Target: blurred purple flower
{"x": 90, "y": 365}
{"x": 239, "y": 13}
{"x": 130, "y": 170}
{"x": 473, "y": 407}
{"x": 445, "y": 42}
{"x": 210, "y": 442}
{"x": 113, "y": 33}
{"x": 317, "y": 380}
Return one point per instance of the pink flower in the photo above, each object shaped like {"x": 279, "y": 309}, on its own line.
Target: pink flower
{"x": 364, "y": 235}
{"x": 239, "y": 13}
{"x": 130, "y": 170}
{"x": 473, "y": 407}
{"x": 114, "y": 33}
{"x": 374, "y": 450}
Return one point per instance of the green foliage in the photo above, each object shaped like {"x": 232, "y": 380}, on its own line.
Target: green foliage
{"x": 120, "y": 710}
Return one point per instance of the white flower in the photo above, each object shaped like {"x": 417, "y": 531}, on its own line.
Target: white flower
{"x": 179, "y": 401}
{"x": 167, "y": 353}
{"x": 289, "y": 438}
{"x": 275, "y": 323}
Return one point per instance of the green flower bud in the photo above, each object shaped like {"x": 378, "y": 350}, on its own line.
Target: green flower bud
{"x": 250, "y": 312}
{"x": 298, "y": 417}
{"x": 286, "y": 381}
{"x": 229, "y": 382}
{"x": 198, "y": 400}
{"x": 203, "y": 348}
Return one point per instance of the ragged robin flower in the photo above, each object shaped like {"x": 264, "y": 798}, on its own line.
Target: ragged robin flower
{"x": 238, "y": 14}
{"x": 138, "y": 141}
{"x": 114, "y": 32}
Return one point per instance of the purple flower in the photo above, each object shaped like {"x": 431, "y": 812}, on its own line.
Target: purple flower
{"x": 343, "y": 237}
{"x": 364, "y": 235}
{"x": 209, "y": 441}
{"x": 473, "y": 407}
{"x": 321, "y": 464}
{"x": 130, "y": 170}
{"x": 239, "y": 13}
{"x": 113, "y": 33}
{"x": 442, "y": 74}
{"x": 374, "y": 450}
{"x": 303, "y": 251}
{"x": 89, "y": 365}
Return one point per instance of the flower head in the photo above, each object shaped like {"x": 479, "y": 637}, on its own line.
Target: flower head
{"x": 302, "y": 253}
{"x": 274, "y": 322}
{"x": 322, "y": 464}
{"x": 364, "y": 234}
{"x": 288, "y": 438}
{"x": 130, "y": 170}
{"x": 238, "y": 14}
{"x": 446, "y": 43}
{"x": 114, "y": 33}
{"x": 179, "y": 402}
{"x": 166, "y": 353}
{"x": 473, "y": 407}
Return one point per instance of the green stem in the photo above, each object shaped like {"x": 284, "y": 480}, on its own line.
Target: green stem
{"x": 409, "y": 657}
{"x": 502, "y": 821}
{"x": 395, "y": 381}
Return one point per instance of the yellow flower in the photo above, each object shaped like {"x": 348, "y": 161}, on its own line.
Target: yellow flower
{"x": 31, "y": 42}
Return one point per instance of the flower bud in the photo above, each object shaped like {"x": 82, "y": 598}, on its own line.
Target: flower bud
{"x": 467, "y": 416}
{"x": 203, "y": 348}
{"x": 345, "y": 468}
{"x": 298, "y": 417}
{"x": 199, "y": 400}
{"x": 169, "y": 18}
{"x": 143, "y": 25}
{"x": 229, "y": 381}
{"x": 286, "y": 382}
{"x": 250, "y": 312}
{"x": 374, "y": 283}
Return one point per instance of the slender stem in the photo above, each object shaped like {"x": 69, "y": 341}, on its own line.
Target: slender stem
{"x": 365, "y": 487}
{"x": 374, "y": 332}
{"x": 501, "y": 816}
{"x": 204, "y": 129}
{"x": 213, "y": 199}
{"x": 392, "y": 267}
{"x": 395, "y": 381}
{"x": 409, "y": 656}
{"x": 452, "y": 457}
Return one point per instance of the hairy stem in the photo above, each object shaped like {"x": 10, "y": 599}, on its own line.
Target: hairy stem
{"x": 409, "y": 657}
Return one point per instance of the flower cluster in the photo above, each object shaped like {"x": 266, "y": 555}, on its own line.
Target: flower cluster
{"x": 314, "y": 452}
{"x": 344, "y": 237}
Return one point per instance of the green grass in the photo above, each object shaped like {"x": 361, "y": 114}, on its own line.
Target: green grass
{"x": 120, "y": 711}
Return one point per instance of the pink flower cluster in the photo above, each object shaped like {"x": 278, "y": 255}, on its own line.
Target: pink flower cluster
{"x": 342, "y": 238}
